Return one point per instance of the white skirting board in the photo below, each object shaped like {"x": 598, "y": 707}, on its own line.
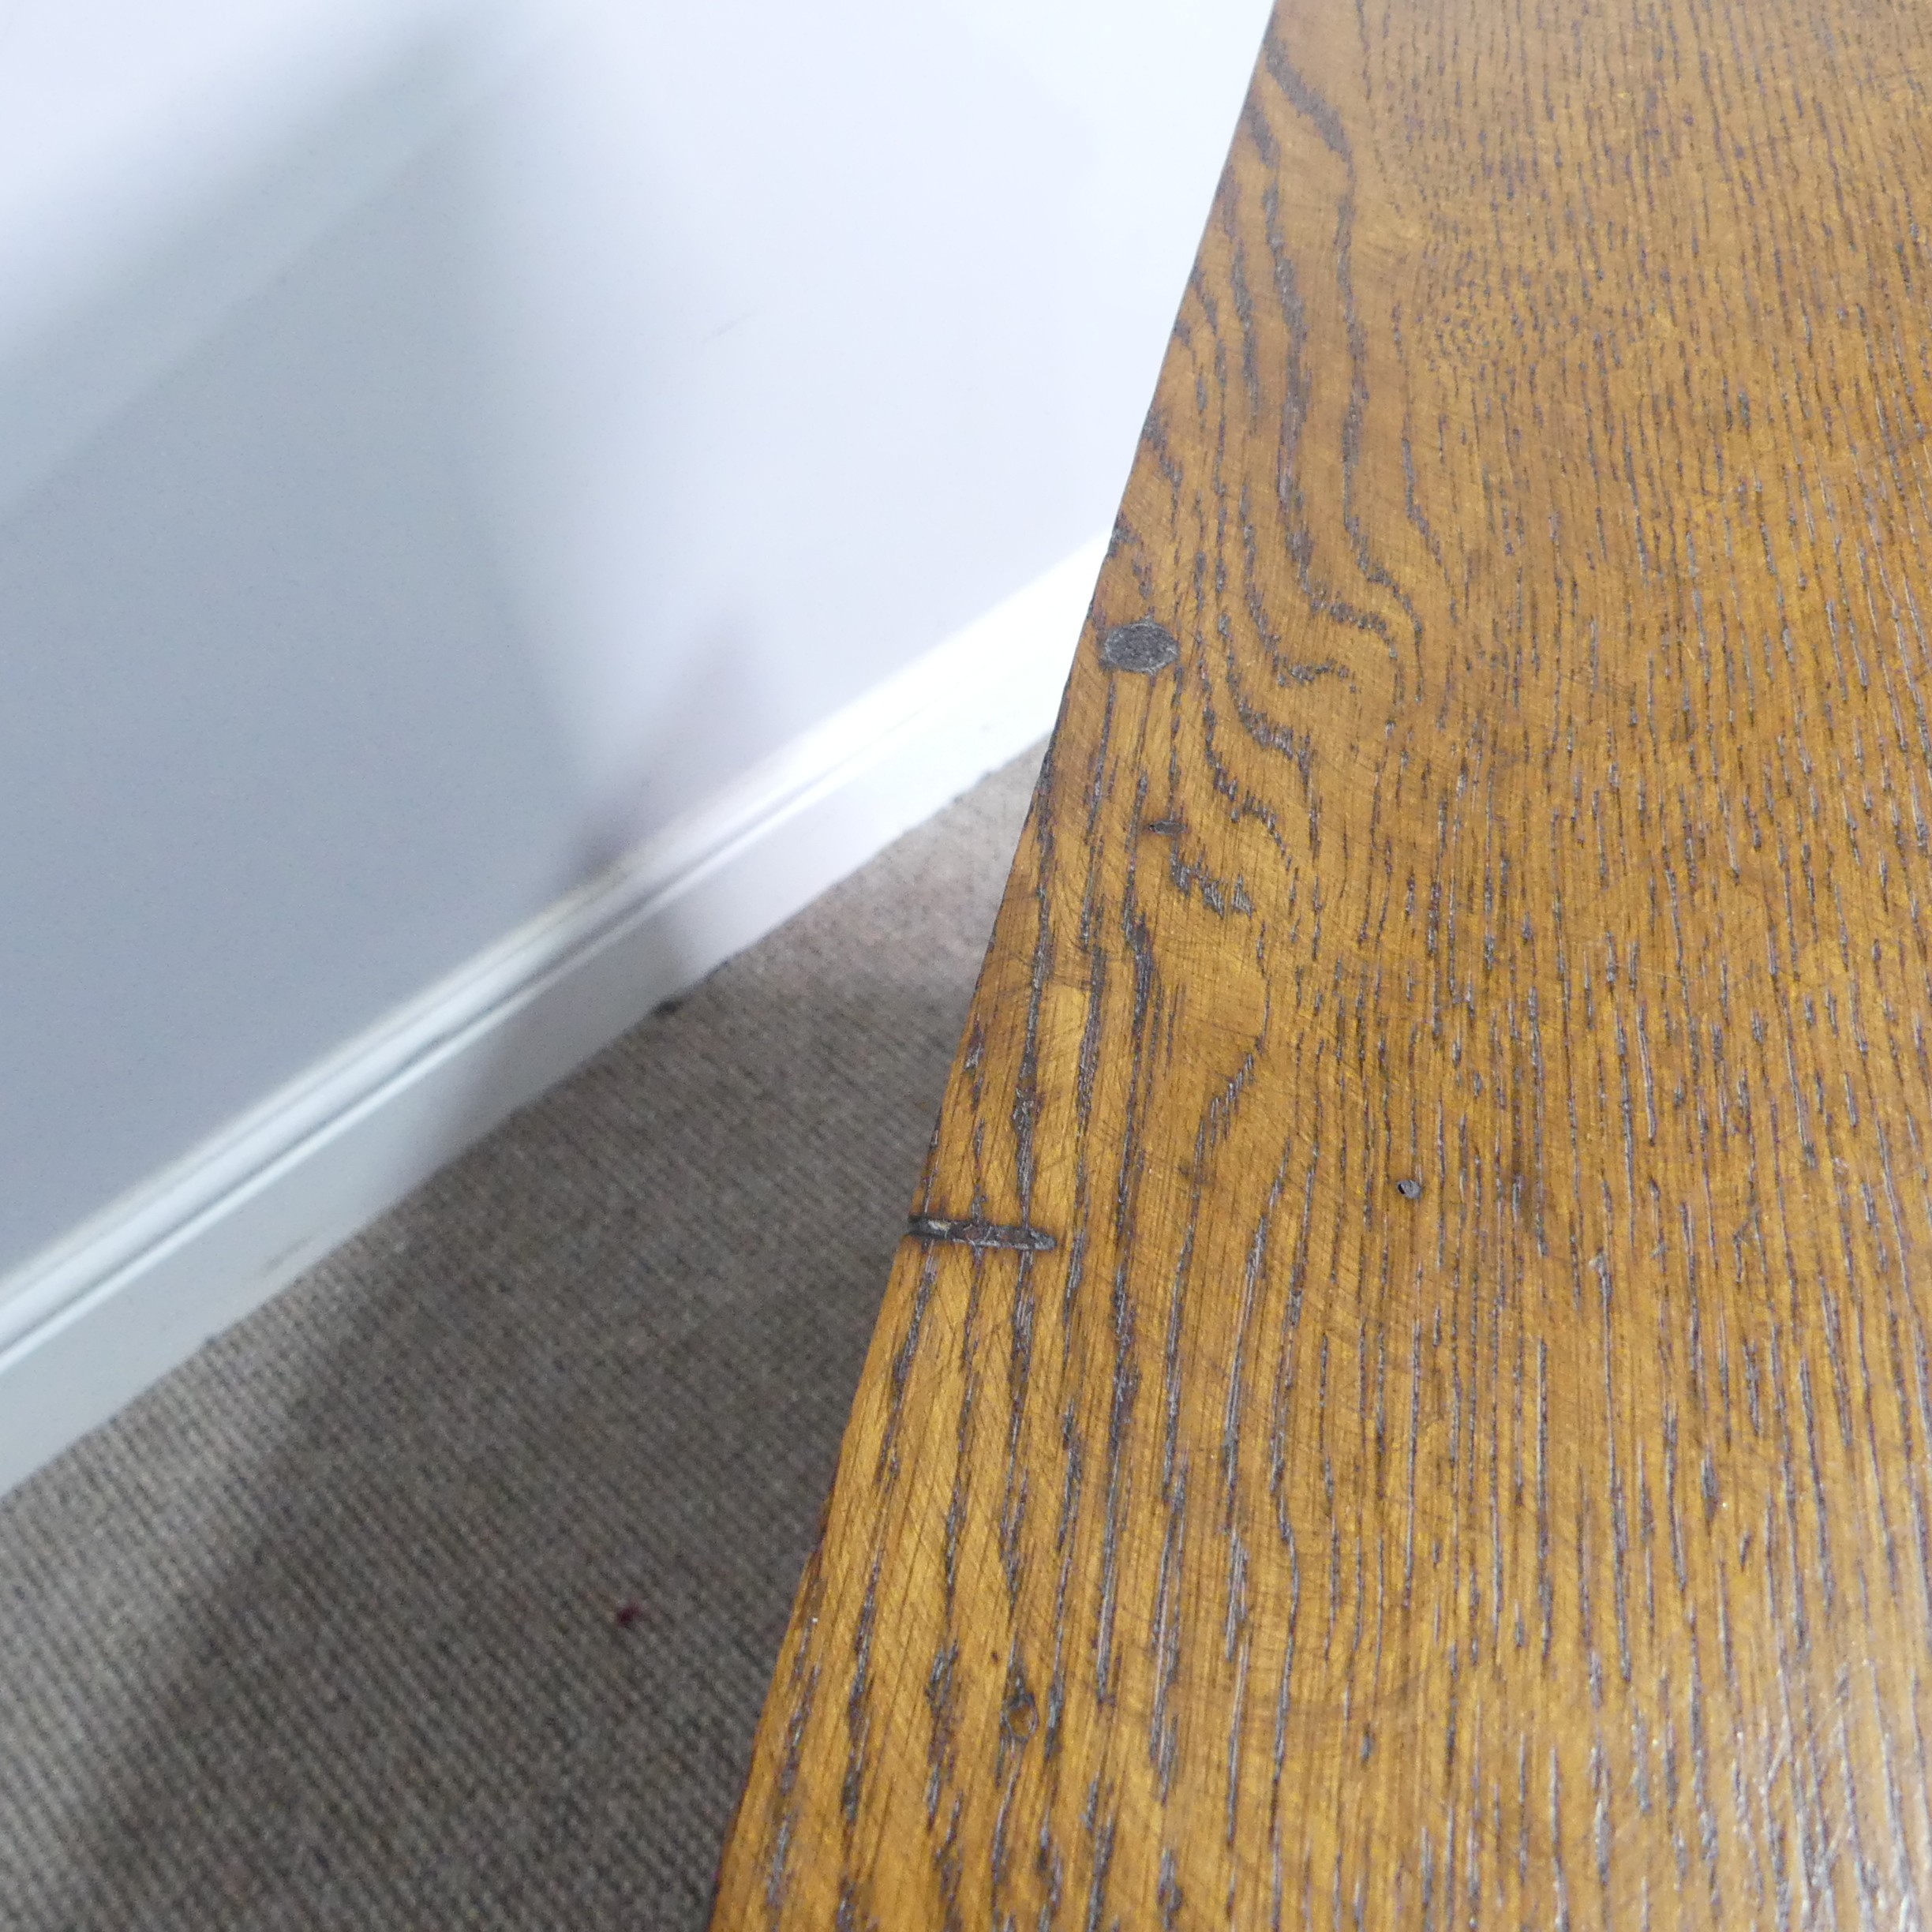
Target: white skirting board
{"x": 89, "y": 1322}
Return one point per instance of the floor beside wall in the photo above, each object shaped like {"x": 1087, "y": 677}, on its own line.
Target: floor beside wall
{"x": 444, "y": 1591}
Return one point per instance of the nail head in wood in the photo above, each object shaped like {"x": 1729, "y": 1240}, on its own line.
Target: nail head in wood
{"x": 979, "y": 1234}
{"x": 1142, "y": 646}
{"x": 1409, "y": 1190}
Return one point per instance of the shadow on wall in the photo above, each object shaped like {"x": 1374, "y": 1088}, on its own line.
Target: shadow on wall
{"x": 483, "y": 480}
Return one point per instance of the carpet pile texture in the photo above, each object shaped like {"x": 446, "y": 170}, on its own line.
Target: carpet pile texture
{"x": 445, "y": 1591}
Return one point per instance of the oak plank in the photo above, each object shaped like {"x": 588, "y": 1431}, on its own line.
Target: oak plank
{"x": 1441, "y": 1433}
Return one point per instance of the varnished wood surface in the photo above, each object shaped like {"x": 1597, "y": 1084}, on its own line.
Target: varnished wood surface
{"x": 1408, "y": 1402}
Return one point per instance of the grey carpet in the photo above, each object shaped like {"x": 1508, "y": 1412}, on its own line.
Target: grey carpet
{"x": 444, "y": 1591}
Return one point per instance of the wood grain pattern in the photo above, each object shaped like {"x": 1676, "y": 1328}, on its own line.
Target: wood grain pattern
{"x": 1462, "y": 1029}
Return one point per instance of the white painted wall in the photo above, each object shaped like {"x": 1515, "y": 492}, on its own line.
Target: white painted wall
{"x": 444, "y": 443}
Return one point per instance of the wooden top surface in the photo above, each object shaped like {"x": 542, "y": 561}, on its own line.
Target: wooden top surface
{"x": 1443, "y": 1437}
